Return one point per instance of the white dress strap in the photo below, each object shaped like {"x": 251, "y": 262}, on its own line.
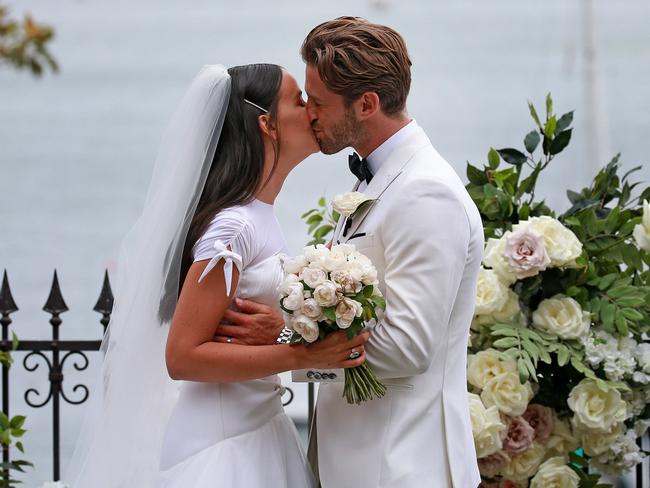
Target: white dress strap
{"x": 229, "y": 258}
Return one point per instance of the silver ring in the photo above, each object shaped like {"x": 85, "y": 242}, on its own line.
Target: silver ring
{"x": 229, "y": 340}
{"x": 354, "y": 354}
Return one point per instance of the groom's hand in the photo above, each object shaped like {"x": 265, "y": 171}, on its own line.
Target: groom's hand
{"x": 252, "y": 324}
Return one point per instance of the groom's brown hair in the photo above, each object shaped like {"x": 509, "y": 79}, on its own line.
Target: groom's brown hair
{"x": 354, "y": 56}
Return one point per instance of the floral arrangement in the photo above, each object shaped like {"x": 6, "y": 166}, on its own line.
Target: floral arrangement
{"x": 559, "y": 350}
{"x": 559, "y": 358}
{"x": 326, "y": 290}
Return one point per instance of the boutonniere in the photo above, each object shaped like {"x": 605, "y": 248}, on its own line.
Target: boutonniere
{"x": 351, "y": 203}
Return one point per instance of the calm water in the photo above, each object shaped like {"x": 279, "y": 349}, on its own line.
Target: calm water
{"x": 76, "y": 150}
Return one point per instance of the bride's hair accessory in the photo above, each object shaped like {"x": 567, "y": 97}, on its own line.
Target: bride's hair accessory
{"x": 256, "y": 106}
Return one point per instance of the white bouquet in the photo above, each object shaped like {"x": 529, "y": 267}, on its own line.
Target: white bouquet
{"x": 326, "y": 290}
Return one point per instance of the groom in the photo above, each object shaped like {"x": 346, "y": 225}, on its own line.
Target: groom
{"x": 425, "y": 237}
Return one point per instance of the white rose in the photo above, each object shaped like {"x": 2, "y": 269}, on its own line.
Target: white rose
{"x": 316, "y": 254}
{"x": 554, "y": 473}
{"x": 494, "y": 257}
{"x": 288, "y": 283}
{"x": 487, "y": 427}
{"x": 596, "y": 443}
{"x": 641, "y": 231}
{"x": 525, "y": 464}
{"x": 594, "y": 408}
{"x": 326, "y": 295}
{"x": 507, "y": 393}
{"x": 345, "y": 249}
{"x": 510, "y": 310}
{"x": 526, "y": 253}
{"x": 306, "y": 327}
{"x": 294, "y": 265}
{"x": 347, "y": 203}
{"x": 562, "y": 316}
{"x": 311, "y": 309}
{"x": 335, "y": 261}
{"x": 562, "y": 245}
{"x": 295, "y": 299}
{"x": 487, "y": 364}
{"x": 642, "y": 355}
{"x": 346, "y": 311}
{"x": 313, "y": 276}
{"x": 491, "y": 293}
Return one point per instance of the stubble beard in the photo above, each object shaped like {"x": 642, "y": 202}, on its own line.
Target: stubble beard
{"x": 345, "y": 134}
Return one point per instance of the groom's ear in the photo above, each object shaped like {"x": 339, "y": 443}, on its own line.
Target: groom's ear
{"x": 367, "y": 105}
{"x": 267, "y": 126}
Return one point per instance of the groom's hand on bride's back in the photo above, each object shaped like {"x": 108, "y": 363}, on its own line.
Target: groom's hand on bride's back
{"x": 252, "y": 324}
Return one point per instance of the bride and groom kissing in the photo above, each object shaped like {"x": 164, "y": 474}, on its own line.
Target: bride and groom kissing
{"x": 191, "y": 396}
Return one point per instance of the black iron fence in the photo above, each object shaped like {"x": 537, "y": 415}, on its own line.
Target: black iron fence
{"x": 61, "y": 350}
{"x": 53, "y": 354}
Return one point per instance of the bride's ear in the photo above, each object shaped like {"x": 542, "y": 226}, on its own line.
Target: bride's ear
{"x": 267, "y": 126}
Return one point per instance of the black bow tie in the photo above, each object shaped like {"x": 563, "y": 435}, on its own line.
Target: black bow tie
{"x": 359, "y": 168}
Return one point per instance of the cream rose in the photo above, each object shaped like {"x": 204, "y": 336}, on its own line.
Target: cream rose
{"x": 524, "y": 465}
{"x": 306, "y": 327}
{"x": 541, "y": 419}
{"x": 295, "y": 299}
{"x": 594, "y": 408}
{"x": 507, "y": 394}
{"x": 313, "y": 276}
{"x": 491, "y": 293}
{"x": 345, "y": 281}
{"x": 294, "y": 265}
{"x": 325, "y": 294}
{"x": 596, "y": 443}
{"x": 346, "y": 311}
{"x": 563, "y": 317}
{"x": 494, "y": 257}
{"x": 486, "y": 365}
{"x": 311, "y": 309}
{"x": 487, "y": 427}
{"x": 288, "y": 283}
{"x": 562, "y": 441}
{"x": 334, "y": 261}
{"x": 347, "y": 203}
{"x": 491, "y": 465}
{"x": 526, "y": 253}
{"x": 641, "y": 231}
{"x": 562, "y": 245}
{"x": 316, "y": 254}
{"x": 554, "y": 473}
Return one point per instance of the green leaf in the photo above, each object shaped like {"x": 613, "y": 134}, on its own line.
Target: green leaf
{"x": 564, "y": 122}
{"x": 562, "y": 355}
{"x": 631, "y": 314}
{"x": 533, "y": 114}
{"x": 549, "y": 104}
{"x": 330, "y": 313}
{"x": 475, "y": 175}
{"x": 493, "y": 158}
{"x": 560, "y": 142}
{"x": 621, "y": 324}
{"x": 322, "y": 202}
{"x": 506, "y": 342}
{"x": 14, "y": 341}
{"x": 308, "y": 212}
{"x": 512, "y": 156}
{"x": 17, "y": 421}
{"x": 549, "y": 127}
{"x": 523, "y": 371}
{"x": 607, "y": 313}
{"x": 531, "y": 141}
{"x": 367, "y": 291}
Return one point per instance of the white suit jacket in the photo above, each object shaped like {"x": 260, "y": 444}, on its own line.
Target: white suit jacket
{"x": 425, "y": 236}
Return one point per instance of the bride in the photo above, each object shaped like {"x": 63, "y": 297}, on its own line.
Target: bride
{"x": 208, "y": 224}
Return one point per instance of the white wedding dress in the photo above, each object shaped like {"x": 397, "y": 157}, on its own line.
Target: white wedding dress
{"x": 236, "y": 435}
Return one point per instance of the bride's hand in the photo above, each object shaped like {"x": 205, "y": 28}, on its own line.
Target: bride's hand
{"x": 334, "y": 351}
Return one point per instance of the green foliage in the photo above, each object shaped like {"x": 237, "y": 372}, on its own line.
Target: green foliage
{"x": 320, "y": 222}
{"x": 24, "y": 45}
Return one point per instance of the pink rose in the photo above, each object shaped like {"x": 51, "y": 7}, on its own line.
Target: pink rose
{"x": 539, "y": 418}
{"x": 491, "y": 465}
{"x": 518, "y": 436}
{"x": 526, "y": 253}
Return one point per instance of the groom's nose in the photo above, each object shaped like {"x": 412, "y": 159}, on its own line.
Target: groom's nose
{"x": 311, "y": 113}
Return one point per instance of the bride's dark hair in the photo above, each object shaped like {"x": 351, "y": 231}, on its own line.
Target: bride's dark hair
{"x": 238, "y": 166}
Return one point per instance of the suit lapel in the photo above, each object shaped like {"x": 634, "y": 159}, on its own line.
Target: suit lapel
{"x": 388, "y": 173}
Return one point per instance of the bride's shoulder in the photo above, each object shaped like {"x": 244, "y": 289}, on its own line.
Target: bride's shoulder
{"x": 232, "y": 226}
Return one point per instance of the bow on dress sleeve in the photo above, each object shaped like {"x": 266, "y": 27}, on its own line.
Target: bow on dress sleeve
{"x": 229, "y": 258}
